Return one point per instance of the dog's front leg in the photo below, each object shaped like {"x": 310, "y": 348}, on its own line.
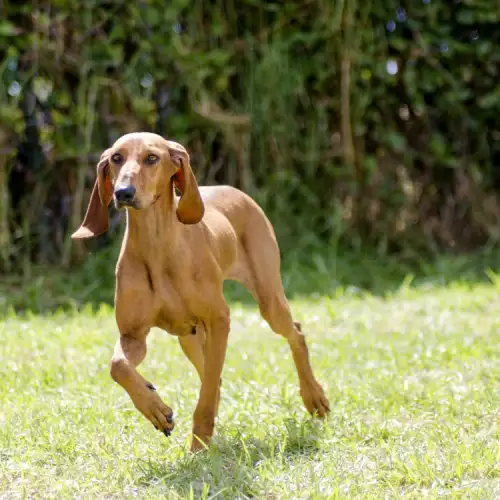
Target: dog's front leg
{"x": 130, "y": 351}
{"x": 215, "y": 352}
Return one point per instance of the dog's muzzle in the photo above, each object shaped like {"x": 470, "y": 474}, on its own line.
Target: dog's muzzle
{"x": 125, "y": 195}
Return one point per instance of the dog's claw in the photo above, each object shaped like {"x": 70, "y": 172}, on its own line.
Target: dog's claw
{"x": 150, "y": 386}
{"x": 167, "y": 432}
{"x": 170, "y": 419}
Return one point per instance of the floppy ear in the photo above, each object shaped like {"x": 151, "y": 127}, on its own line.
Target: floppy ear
{"x": 96, "y": 220}
{"x": 190, "y": 209}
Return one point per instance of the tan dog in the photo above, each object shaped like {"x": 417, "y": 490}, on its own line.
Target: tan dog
{"x": 175, "y": 256}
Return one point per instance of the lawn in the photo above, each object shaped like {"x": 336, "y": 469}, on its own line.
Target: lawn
{"x": 413, "y": 378}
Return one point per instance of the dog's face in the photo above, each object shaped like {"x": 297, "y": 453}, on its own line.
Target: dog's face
{"x": 137, "y": 170}
{"x": 140, "y": 167}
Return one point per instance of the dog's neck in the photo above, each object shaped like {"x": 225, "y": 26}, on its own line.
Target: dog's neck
{"x": 152, "y": 233}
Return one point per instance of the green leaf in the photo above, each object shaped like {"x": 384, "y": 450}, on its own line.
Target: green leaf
{"x": 9, "y": 29}
{"x": 489, "y": 100}
{"x": 396, "y": 141}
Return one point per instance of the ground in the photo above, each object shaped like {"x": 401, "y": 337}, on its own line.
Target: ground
{"x": 413, "y": 378}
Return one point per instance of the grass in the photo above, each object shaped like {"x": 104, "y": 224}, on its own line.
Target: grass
{"x": 307, "y": 271}
{"x": 413, "y": 377}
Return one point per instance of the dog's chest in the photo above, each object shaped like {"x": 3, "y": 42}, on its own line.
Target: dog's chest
{"x": 180, "y": 327}
{"x": 174, "y": 314}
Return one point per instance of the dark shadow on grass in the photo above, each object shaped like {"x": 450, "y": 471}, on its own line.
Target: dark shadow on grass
{"x": 230, "y": 465}
{"x": 306, "y": 274}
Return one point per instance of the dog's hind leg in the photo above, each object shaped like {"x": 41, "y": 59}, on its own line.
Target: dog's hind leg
{"x": 258, "y": 269}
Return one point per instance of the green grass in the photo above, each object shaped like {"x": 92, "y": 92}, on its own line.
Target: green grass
{"x": 413, "y": 378}
{"x": 308, "y": 270}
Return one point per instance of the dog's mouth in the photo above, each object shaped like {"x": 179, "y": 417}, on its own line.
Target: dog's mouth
{"x": 121, "y": 205}
{"x": 133, "y": 204}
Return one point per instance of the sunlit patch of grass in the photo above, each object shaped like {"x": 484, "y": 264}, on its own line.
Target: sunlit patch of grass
{"x": 413, "y": 379}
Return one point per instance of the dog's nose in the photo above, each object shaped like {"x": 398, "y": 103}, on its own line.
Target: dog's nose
{"x": 125, "y": 194}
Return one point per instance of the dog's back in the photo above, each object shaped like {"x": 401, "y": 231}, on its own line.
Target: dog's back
{"x": 243, "y": 213}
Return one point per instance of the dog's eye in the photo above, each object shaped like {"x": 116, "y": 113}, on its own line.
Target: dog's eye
{"x": 152, "y": 159}
{"x": 117, "y": 158}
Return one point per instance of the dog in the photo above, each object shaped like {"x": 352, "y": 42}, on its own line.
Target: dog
{"x": 175, "y": 255}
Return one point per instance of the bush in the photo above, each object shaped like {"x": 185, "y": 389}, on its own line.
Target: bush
{"x": 351, "y": 123}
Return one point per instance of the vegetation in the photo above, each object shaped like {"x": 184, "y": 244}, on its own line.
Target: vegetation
{"x": 352, "y": 123}
{"x": 369, "y": 134}
{"x": 315, "y": 274}
{"x": 412, "y": 378}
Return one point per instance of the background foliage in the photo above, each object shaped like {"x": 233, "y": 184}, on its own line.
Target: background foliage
{"x": 351, "y": 122}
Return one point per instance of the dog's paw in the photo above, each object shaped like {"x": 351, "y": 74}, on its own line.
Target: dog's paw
{"x": 156, "y": 411}
{"x": 198, "y": 444}
{"x": 315, "y": 400}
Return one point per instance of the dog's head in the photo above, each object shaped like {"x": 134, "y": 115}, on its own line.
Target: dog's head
{"x": 137, "y": 170}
